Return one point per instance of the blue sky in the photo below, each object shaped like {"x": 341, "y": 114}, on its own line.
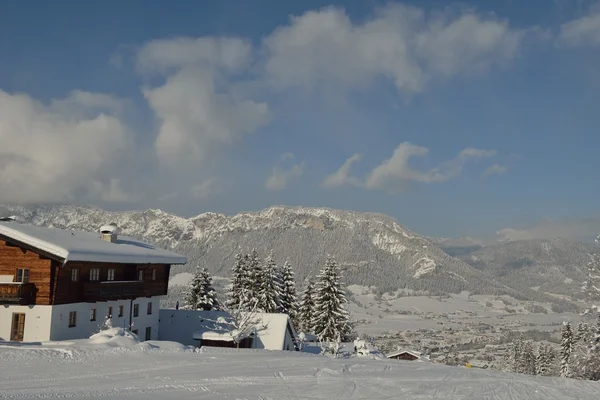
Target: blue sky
{"x": 456, "y": 119}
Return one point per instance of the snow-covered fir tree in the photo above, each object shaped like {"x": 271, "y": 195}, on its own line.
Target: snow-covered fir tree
{"x": 288, "y": 300}
{"x": 253, "y": 280}
{"x": 238, "y": 281}
{"x": 200, "y": 294}
{"x": 566, "y": 350}
{"x": 269, "y": 295}
{"x": 527, "y": 362}
{"x": 545, "y": 360}
{"x": 514, "y": 355}
{"x": 306, "y": 308}
{"x": 331, "y": 320}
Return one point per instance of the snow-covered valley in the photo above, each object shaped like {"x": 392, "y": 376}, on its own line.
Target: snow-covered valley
{"x": 165, "y": 370}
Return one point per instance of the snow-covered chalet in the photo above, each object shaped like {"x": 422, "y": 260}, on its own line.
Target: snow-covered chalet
{"x": 60, "y": 284}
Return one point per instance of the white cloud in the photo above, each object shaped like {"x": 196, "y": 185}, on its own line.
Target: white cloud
{"x": 341, "y": 176}
{"x": 494, "y": 169}
{"x": 582, "y": 31}
{"x": 199, "y": 108}
{"x": 584, "y": 229}
{"x": 280, "y": 176}
{"x": 168, "y": 55}
{"x": 395, "y": 171}
{"x": 69, "y": 149}
{"x": 399, "y": 42}
{"x": 205, "y": 189}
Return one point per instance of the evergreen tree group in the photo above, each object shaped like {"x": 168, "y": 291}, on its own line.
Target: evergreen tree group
{"x": 200, "y": 294}
{"x": 521, "y": 358}
{"x": 265, "y": 287}
{"x": 262, "y": 286}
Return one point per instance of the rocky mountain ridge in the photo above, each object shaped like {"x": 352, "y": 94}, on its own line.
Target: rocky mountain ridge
{"x": 374, "y": 249}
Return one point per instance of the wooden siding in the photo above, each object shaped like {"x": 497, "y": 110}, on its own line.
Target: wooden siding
{"x": 67, "y": 291}
{"x": 53, "y": 283}
{"x": 13, "y": 257}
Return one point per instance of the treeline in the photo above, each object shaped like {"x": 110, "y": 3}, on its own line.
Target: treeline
{"x": 261, "y": 285}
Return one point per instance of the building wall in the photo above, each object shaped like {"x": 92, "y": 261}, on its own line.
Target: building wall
{"x": 179, "y": 326}
{"x": 85, "y": 328}
{"x": 37, "y": 322}
{"x": 13, "y": 257}
{"x": 44, "y": 323}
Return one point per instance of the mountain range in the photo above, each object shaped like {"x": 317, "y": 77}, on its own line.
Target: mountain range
{"x": 373, "y": 249}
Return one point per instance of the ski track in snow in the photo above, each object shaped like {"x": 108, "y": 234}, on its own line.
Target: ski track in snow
{"x": 38, "y": 373}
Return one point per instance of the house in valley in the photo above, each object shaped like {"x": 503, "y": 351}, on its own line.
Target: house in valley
{"x": 269, "y": 331}
{"x": 407, "y": 355}
{"x": 60, "y": 284}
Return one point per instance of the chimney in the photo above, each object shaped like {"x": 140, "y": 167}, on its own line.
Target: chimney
{"x": 109, "y": 232}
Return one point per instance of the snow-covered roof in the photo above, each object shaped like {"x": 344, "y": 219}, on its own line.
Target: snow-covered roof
{"x": 402, "y": 351}
{"x": 270, "y": 329}
{"x": 69, "y": 245}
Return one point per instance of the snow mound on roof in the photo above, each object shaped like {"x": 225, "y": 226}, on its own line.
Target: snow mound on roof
{"x": 116, "y": 337}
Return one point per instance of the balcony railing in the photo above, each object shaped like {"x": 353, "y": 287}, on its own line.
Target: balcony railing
{"x": 112, "y": 290}
{"x": 17, "y": 293}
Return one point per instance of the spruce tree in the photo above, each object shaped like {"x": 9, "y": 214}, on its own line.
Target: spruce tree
{"x": 201, "y": 295}
{"x": 541, "y": 361}
{"x": 306, "y": 308}
{"x": 238, "y": 281}
{"x": 566, "y": 350}
{"x": 331, "y": 320}
{"x": 528, "y": 359}
{"x": 268, "y": 293}
{"x": 515, "y": 355}
{"x": 288, "y": 302}
{"x": 253, "y": 281}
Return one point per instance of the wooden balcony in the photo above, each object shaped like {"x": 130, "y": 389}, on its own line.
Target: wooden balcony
{"x": 17, "y": 293}
{"x": 115, "y": 290}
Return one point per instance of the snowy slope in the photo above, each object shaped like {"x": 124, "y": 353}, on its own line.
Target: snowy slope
{"x": 159, "y": 370}
{"x": 551, "y": 265}
{"x": 374, "y": 249}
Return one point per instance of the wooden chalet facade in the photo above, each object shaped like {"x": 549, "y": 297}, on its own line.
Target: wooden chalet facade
{"x": 57, "y": 284}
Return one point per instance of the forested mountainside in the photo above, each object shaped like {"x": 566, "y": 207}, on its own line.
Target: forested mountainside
{"x": 374, "y": 249}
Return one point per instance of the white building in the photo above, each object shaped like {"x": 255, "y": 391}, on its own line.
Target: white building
{"x": 60, "y": 284}
{"x": 215, "y": 328}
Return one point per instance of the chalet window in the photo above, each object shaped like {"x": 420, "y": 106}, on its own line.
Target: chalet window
{"x": 74, "y": 274}
{"x": 141, "y": 275}
{"x": 111, "y": 275}
{"x": 148, "y": 333}
{"x": 154, "y": 274}
{"x": 149, "y": 309}
{"x": 120, "y": 311}
{"x": 95, "y": 274}
{"x": 72, "y": 319}
{"x": 93, "y": 314}
{"x": 109, "y": 312}
{"x": 136, "y": 310}
{"x": 23, "y": 275}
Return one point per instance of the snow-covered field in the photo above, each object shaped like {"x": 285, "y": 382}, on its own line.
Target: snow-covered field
{"x": 121, "y": 368}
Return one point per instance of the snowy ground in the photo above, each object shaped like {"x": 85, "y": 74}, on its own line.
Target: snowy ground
{"x": 121, "y": 368}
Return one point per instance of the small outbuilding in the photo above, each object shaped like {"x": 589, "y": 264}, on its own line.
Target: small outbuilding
{"x": 407, "y": 355}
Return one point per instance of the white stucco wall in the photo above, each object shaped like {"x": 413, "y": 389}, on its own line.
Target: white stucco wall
{"x": 44, "y": 323}
{"x": 85, "y": 328}
{"x": 179, "y": 326}
{"x": 37, "y": 322}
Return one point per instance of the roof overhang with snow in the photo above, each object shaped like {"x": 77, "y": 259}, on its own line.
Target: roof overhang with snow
{"x": 67, "y": 245}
